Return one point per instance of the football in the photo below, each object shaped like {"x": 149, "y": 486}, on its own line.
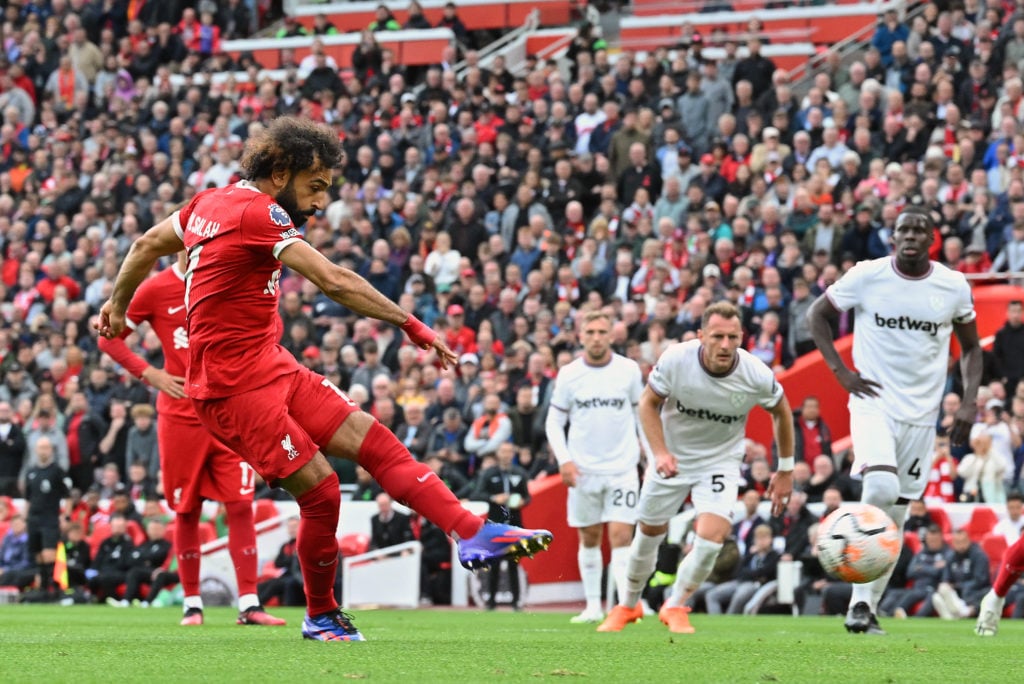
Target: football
{"x": 858, "y": 543}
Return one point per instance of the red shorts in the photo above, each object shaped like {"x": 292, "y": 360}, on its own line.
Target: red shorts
{"x": 196, "y": 466}
{"x": 280, "y": 426}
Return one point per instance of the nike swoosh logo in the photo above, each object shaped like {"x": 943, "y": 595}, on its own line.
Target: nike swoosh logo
{"x": 245, "y": 491}
{"x": 175, "y": 309}
{"x": 424, "y": 478}
{"x": 328, "y": 564}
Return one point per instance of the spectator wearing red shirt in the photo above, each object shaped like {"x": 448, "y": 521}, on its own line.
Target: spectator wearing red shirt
{"x": 487, "y": 124}
{"x": 57, "y": 276}
{"x": 460, "y": 338}
{"x": 812, "y": 436}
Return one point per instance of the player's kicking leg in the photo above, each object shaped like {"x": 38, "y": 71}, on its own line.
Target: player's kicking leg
{"x": 991, "y": 608}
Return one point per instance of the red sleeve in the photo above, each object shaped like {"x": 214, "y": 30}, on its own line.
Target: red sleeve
{"x": 119, "y": 351}
{"x": 140, "y": 309}
{"x": 267, "y": 227}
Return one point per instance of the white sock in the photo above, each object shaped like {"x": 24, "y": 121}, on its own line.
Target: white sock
{"x": 898, "y": 513}
{"x": 194, "y": 602}
{"x": 643, "y": 556}
{"x": 620, "y": 569}
{"x": 881, "y": 489}
{"x": 247, "y": 601}
{"x": 590, "y": 562}
{"x": 694, "y": 569}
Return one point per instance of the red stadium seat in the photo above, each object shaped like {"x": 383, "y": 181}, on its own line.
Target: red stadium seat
{"x": 207, "y": 532}
{"x": 265, "y": 510}
{"x": 941, "y": 518}
{"x": 353, "y": 544}
{"x": 100, "y": 531}
{"x": 912, "y": 542}
{"x": 983, "y": 520}
{"x": 994, "y": 546}
{"x": 136, "y": 532}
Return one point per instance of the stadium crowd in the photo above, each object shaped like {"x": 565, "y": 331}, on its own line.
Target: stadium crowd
{"x": 497, "y": 206}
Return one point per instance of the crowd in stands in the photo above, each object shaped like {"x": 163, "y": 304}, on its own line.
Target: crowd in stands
{"x": 497, "y": 206}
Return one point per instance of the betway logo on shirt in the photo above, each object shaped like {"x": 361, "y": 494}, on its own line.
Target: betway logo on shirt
{"x": 600, "y": 402}
{"x": 704, "y": 414}
{"x": 907, "y": 323}
{"x": 202, "y": 227}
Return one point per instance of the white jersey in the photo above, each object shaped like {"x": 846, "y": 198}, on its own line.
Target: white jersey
{"x": 901, "y": 338}
{"x": 704, "y": 416}
{"x": 600, "y": 402}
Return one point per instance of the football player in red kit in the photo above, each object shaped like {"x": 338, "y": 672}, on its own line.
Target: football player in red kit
{"x": 194, "y": 465}
{"x": 251, "y": 393}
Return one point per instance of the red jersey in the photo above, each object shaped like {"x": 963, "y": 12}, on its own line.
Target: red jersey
{"x": 234, "y": 236}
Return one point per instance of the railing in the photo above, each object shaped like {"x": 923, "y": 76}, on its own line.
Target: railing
{"x": 488, "y": 53}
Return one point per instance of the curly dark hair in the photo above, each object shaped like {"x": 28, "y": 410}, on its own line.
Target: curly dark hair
{"x": 291, "y": 144}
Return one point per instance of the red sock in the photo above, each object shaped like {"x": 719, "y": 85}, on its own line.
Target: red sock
{"x": 186, "y": 541}
{"x": 1011, "y": 568}
{"x": 317, "y": 546}
{"x": 242, "y": 545}
{"x": 413, "y": 483}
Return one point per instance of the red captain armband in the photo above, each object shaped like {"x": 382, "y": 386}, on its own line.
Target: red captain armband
{"x": 418, "y": 332}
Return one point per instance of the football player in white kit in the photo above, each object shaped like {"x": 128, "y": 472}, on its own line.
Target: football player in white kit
{"x": 906, "y": 308}
{"x": 693, "y": 413}
{"x": 597, "y": 395}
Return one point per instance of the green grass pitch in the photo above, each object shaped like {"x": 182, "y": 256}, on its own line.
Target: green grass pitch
{"x": 101, "y": 644}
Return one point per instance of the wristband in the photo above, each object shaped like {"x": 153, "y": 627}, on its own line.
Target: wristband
{"x": 418, "y": 332}
{"x": 786, "y": 464}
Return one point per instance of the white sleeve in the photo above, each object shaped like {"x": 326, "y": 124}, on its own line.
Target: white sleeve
{"x": 661, "y": 375}
{"x": 964, "y": 312}
{"x": 846, "y": 292}
{"x": 554, "y": 428}
{"x": 636, "y": 386}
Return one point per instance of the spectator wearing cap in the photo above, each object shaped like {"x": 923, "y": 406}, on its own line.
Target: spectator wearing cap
{"x": 468, "y": 383}
{"x": 460, "y": 338}
{"x": 46, "y": 427}
{"x": 709, "y": 180}
{"x": 862, "y": 240}
{"x": 141, "y": 446}
{"x": 17, "y": 385}
{"x": 694, "y": 108}
{"x": 889, "y": 31}
{"x": 770, "y": 142}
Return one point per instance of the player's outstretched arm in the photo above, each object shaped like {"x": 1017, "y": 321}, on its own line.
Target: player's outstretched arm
{"x": 160, "y": 240}
{"x": 353, "y": 291}
{"x": 820, "y": 317}
{"x": 649, "y": 411}
{"x": 781, "y": 485}
{"x": 971, "y": 368}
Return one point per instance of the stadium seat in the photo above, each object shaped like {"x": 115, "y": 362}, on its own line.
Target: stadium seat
{"x": 265, "y": 509}
{"x": 353, "y": 544}
{"x": 912, "y": 542}
{"x": 941, "y": 518}
{"x": 136, "y": 532}
{"x": 207, "y": 532}
{"x": 994, "y": 546}
{"x": 100, "y": 531}
{"x": 983, "y": 520}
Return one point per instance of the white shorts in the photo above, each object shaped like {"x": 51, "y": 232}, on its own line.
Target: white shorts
{"x": 603, "y": 498}
{"x": 879, "y": 440}
{"x": 712, "y": 490}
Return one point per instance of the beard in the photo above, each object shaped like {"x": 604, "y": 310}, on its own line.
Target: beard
{"x": 290, "y": 204}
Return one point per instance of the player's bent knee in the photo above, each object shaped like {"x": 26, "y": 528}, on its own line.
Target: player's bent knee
{"x": 348, "y": 438}
{"x": 653, "y": 530}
